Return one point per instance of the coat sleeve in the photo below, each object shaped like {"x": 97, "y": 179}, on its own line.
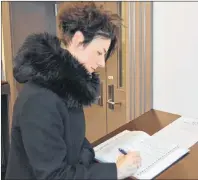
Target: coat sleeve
{"x": 87, "y": 145}
{"x": 87, "y": 153}
{"x": 42, "y": 135}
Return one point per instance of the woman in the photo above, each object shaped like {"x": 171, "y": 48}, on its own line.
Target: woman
{"x": 48, "y": 134}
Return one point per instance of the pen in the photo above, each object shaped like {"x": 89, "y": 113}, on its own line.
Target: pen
{"x": 122, "y": 151}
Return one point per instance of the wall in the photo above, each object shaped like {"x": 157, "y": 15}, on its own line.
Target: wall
{"x": 175, "y": 54}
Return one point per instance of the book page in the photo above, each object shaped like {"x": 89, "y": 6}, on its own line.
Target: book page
{"x": 127, "y": 140}
{"x": 161, "y": 165}
{"x": 153, "y": 150}
{"x": 183, "y": 131}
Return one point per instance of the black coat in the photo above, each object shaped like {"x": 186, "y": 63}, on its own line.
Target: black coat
{"x": 48, "y": 130}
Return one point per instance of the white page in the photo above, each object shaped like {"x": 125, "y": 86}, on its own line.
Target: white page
{"x": 161, "y": 165}
{"x": 108, "y": 150}
{"x": 183, "y": 131}
{"x": 152, "y": 150}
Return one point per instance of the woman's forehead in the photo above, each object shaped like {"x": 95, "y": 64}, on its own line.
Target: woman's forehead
{"x": 101, "y": 42}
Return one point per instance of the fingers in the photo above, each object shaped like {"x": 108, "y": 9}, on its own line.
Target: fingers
{"x": 120, "y": 157}
{"x": 132, "y": 159}
{"x": 137, "y": 162}
{"x": 135, "y": 158}
{"x": 134, "y": 153}
{"x": 128, "y": 164}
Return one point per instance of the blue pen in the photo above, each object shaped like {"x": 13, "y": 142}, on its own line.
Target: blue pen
{"x": 122, "y": 151}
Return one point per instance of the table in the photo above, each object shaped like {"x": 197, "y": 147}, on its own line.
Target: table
{"x": 151, "y": 122}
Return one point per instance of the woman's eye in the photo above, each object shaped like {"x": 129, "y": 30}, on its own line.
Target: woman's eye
{"x": 99, "y": 53}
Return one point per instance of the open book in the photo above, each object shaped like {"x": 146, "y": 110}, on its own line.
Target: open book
{"x": 156, "y": 155}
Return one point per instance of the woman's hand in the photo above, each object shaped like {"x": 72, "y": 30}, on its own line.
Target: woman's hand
{"x": 128, "y": 164}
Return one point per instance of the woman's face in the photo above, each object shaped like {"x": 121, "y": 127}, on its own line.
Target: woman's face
{"x": 92, "y": 55}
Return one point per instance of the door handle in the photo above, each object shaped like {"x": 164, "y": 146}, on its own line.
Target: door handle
{"x": 99, "y": 100}
{"x": 109, "y": 101}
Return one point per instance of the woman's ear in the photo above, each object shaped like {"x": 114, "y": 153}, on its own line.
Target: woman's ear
{"x": 78, "y": 38}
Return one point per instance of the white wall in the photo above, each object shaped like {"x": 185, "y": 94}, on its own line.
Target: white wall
{"x": 175, "y": 54}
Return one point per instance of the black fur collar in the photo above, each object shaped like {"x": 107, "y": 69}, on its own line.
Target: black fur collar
{"x": 41, "y": 60}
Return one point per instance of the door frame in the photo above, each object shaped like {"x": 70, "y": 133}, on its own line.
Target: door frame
{"x": 139, "y": 61}
{"x": 128, "y": 65}
{"x": 8, "y": 56}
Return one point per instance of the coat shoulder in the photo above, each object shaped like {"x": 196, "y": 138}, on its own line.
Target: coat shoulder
{"x": 32, "y": 91}
{"x": 35, "y": 96}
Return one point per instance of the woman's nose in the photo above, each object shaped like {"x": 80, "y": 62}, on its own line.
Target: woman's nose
{"x": 101, "y": 63}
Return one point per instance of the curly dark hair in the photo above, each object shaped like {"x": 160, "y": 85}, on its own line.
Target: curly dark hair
{"x": 91, "y": 20}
